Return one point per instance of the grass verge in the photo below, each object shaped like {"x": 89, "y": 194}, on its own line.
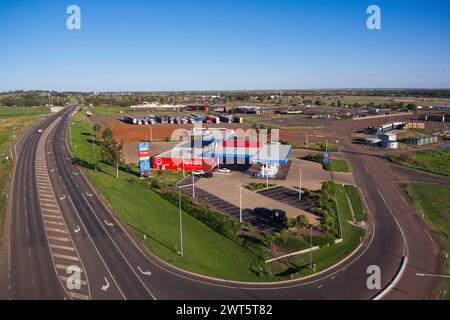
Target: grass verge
{"x": 434, "y": 161}
{"x": 433, "y": 202}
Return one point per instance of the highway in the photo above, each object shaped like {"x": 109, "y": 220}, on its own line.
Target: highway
{"x": 115, "y": 264}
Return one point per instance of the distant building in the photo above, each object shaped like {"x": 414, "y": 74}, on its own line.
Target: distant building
{"x": 442, "y": 108}
{"x": 421, "y": 140}
{"x": 248, "y": 109}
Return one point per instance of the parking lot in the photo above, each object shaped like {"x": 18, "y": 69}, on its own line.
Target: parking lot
{"x": 288, "y": 196}
{"x": 231, "y": 209}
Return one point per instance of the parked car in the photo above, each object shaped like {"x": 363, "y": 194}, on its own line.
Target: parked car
{"x": 278, "y": 215}
{"x": 198, "y": 173}
{"x": 263, "y": 212}
{"x": 223, "y": 170}
{"x": 207, "y": 175}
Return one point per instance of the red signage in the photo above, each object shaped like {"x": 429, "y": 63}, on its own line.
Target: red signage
{"x": 194, "y": 164}
{"x": 144, "y": 154}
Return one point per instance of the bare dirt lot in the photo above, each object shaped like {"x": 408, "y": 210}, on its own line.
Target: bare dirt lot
{"x": 160, "y": 132}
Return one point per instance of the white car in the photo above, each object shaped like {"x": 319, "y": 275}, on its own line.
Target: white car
{"x": 198, "y": 173}
{"x": 39, "y": 131}
{"x": 223, "y": 170}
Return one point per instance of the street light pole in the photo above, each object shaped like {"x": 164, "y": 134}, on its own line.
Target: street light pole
{"x": 181, "y": 224}
{"x": 310, "y": 248}
{"x": 300, "y": 186}
{"x": 193, "y": 185}
{"x": 95, "y": 156}
{"x": 240, "y": 204}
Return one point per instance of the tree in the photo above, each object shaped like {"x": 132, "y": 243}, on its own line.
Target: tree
{"x": 97, "y": 127}
{"x": 328, "y": 222}
{"x": 111, "y": 150}
{"x": 301, "y": 221}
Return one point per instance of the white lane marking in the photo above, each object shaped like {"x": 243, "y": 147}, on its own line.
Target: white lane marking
{"x": 65, "y": 257}
{"x": 365, "y": 168}
{"x": 64, "y": 267}
{"x": 57, "y": 230}
{"x": 146, "y": 273}
{"x": 118, "y": 249}
{"x": 54, "y": 222}
{"x": 64, "y": 279}
{"x": 77, "y": 229}
{"x": 109, "y": 224}
{"x": 106, "y": 286}
{"x": 95, "y": 247}
{"x": 62, "y": 239}
{"x": 320, "y": 286}
{"x": 89, "y": 194}
{"x": 63, "y": 197}
{"x": 406, "y": 249}
{"x": 78, "y": 296}
{"x": 56, "y": 246}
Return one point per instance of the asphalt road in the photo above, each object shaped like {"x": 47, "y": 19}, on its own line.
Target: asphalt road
{"x": 118, "y": 266}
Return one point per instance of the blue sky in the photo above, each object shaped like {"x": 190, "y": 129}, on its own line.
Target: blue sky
{"x": 145, "y": 45}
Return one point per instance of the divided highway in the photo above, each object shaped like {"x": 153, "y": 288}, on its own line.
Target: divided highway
{"x": 115, "y": 265}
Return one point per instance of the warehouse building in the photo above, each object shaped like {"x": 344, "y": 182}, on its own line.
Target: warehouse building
{"x": 421, "y": 140}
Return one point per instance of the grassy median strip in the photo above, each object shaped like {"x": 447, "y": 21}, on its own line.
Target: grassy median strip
{"x": 433, "y": 202}
{"x": 357, "y": 205}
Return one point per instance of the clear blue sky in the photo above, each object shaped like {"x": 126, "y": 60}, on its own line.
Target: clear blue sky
{"x": 140, "y": 45}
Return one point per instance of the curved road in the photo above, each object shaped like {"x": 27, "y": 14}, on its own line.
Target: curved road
{"x": 115, "y": 265}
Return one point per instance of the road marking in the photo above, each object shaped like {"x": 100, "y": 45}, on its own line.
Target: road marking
{"x": 77, "y": 229}
{"x": 89, "y": 194}
{"x": 63, "y": 197}
{"x": 96, "y": 249}
{"x": 57, "y": 246}
{"x": 106, "y": 286}
{"x": 118, "y": 249}
{"x": 367, "y": 170}
{"x": 62, "y": 239}
{"x": 57, "y": 230}
{"x": 146, "y": 273}
{"x": 65, "y": 278}
{"x": 54, "y": 222}
{"x": 65, "y": 257}
{"x": 320, "y": 286}
{"x": 109, "y": 224}
{"x": 78, "y": 296}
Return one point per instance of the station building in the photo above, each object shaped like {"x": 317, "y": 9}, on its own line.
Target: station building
{"x": 209, "y": 148}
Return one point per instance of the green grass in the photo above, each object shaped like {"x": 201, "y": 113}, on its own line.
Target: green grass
{"x": 330, "y": 255}
{"x": 433, "y": 201}
{"x": 12, "y": 112}
{"x": 357, "y": 205}
{"x": 434, "y": 161}
{"x": 206, "y": 251}
{"x": 168, "y": 177}
{"x": 337, "y": 165}
{"x": 255, "y": 186}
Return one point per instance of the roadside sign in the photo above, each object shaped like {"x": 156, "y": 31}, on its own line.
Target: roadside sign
{"x": 326, "y": 157}
{"x": 144, "y": 159}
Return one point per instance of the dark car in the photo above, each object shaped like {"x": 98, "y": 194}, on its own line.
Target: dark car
{"x": 278, "y": 215}
{"x": 263, "y": 212}
{"x": 207, "y": 175}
